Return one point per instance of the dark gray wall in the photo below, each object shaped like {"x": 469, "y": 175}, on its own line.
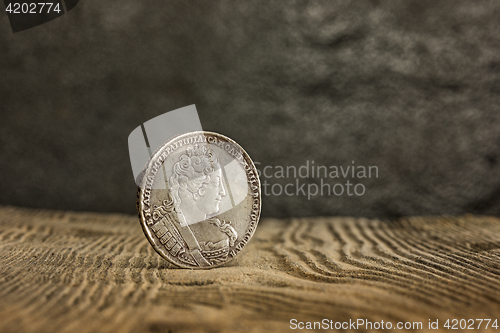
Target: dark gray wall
{"x": 412, "y": 87}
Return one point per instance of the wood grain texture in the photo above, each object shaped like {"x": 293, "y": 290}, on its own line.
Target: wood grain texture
{"x": 87, "y": 272}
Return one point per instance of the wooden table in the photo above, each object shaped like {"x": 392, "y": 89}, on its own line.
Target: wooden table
{"x": 88, "y": 272}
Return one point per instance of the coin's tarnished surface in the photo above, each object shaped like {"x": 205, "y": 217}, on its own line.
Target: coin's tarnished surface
{"x": 199, "y": 200}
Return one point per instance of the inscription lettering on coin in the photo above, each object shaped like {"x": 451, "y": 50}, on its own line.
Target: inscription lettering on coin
{"x": 199, "y": 200}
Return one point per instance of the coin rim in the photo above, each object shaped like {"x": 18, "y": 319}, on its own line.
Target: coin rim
{"x": 141, "y": 188}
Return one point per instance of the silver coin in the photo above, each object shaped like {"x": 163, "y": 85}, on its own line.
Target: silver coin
{"x": 199, "y": 200}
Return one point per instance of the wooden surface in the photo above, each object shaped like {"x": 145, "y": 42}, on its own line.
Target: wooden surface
{"x": 86, "y": 272}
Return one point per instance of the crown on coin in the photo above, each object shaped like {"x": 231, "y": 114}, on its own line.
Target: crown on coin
{"x": 198, "y": 151}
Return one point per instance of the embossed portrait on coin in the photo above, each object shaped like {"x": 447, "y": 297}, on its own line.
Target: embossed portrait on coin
{"x": 196, "y": 185}
{"x": 199, "y": 200}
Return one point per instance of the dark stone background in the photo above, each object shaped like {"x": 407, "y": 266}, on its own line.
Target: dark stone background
{"x": 412, "y": 87}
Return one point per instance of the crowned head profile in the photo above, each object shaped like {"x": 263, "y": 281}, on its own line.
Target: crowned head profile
{"x": 196, "y": 184}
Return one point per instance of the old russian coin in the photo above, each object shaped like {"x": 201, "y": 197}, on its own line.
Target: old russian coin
{"x": 199, "y": 200}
